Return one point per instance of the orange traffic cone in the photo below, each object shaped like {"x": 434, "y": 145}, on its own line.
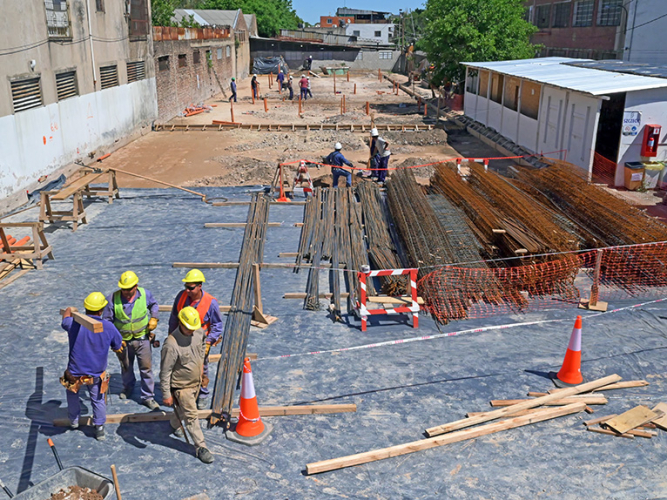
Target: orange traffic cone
{"x": 570, "y": 372}
{"x": 250, "y": 429}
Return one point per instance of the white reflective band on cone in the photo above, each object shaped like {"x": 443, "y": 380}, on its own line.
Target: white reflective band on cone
{"x": 248, "y": 388}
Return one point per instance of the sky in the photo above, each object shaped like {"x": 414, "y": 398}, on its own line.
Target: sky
{"x": 311, "y": 11}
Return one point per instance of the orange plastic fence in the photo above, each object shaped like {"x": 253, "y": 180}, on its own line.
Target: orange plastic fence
{"x": 604, "y": 170}
{"x": 457, "y": 292}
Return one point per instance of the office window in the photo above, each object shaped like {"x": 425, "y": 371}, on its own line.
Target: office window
{"x": 562, "y": 14}
{"x": 182, "y": 60}
{"x": 99, "y": 5}
{"x": 139, "y": 22}
{"x": 543, "y": 16}
{"x": 26, "y": 94}
{"x": 163, "y": 63}
{"x": 219, "y": 54}
{"x": 609, "y": 13}
{"x": 385, "y": 55}
{"x": 583, "y": 13}
{"x": 66, "y": 85}
{"x": 109, "y": 76}
{"x": 196, "y": 57}
{"x": 135, "y": 71}
{"x": 530, "y": 99}
{"x": 228, "y": 50}
{"x": 511, "y": 100}
{"x": 57, "y": 19}
{"x": 378, "y": 33}
{"x": 329, "y": 21}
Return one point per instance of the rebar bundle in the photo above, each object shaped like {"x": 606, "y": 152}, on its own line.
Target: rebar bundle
{"x": 237, "y": 326}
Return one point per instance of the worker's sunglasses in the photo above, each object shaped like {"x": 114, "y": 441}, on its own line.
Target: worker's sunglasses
{"x": 191, "y": 287}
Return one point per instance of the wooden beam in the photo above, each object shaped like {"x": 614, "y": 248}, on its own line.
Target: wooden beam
{"x": 632, "y": 418}
{"x": 264, "y": 411}
{"x": 288, "y": 254}
{"x": 214, "y": 358}
{"x": 92, "y": 324}
{"x": 238, "y": 224}
{"x": 598, "y": 420}
{"x": 531, "y": 403}
{"x": 628, "y": 384}
{"x": 589, "y": 400}
{"x": 599, "y": 430}
{"x": 166, "y": 308}
{"x": 302, "y": 295}
{"x": 454, "y": 437}
{"x": 662, "y": 421}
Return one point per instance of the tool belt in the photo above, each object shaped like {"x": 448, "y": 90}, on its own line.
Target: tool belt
{"x": 73, "y": 384}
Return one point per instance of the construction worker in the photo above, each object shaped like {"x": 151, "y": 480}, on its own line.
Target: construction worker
{"x": 310, "y": 93}
{"x": 209, "y": 315}
{"x": 380, "y": 153}
{"x": 181, "y": 374}
{"x": 87, "y": 365}
{"x": 280, "y": 79}
{"x": 337, "y": 160}
{"x": 290, "y": 88}
{"x": 303, "y": 86}
{"x": 255, "y": 87}
{"x": 232, "y": 86}
{"x": 134, "y": 311}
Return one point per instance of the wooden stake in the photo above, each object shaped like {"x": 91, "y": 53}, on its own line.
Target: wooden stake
{"x": 531, "y": 403}
{"x": 355, "y": 89}
{"x": 266, "y": 106}
{"x": 425, "y": 109}
{"x": 231, "y": 110}
{"x": 258, "y": 287}
{"x": 115, "y": 482}
{"x": 334, "y": 82}
{"x": 270, "y": 81}
{"x": 368, "y": 108}
{"x": 455, "y": 437}
{"x": 348, "y": 75}
{"x": 299, "y": 106}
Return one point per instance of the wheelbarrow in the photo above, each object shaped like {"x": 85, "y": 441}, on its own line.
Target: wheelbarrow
{"x": 66, "y": 477}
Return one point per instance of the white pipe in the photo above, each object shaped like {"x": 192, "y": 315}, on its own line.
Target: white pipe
{"x": 90, "y": 39}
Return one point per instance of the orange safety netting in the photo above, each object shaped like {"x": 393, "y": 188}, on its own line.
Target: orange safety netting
{"x": 614, "y": 273}
{"x": 604, "y": 170}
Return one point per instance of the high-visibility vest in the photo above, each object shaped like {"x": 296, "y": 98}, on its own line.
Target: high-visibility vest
{"x": 134, "y": 327}
{"x": 202, "y": 308}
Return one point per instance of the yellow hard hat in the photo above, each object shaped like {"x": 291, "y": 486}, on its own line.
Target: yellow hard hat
{"x": 127, "y": 280}
{"x": 194, "y": 276}
{"x": 190, "y": 318}
{"x": 95, "y": 302}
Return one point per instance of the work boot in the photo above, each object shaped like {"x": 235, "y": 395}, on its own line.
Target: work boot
{"x": 124, "y": 394}
{"x": 202, "y": 404}
{"x": 74, "y": 424}
{"x": 150, "y": 404}
{"x": 204, "y": 455}
{"x": 99, "y": 433}
{"x": 178, "y": 432}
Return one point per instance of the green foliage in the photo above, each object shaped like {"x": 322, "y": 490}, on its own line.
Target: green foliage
{"x": 272, "y": 15}
{"x": 162, "y": 12}
{"x": 474, "y": 30}
{"x": 189, "y": 22}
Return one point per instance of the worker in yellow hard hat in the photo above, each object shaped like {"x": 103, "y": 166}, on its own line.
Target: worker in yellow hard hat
{"x": 87, "y": 363}
{"x": 134, "y": 311}
{"x": 209, "y": 314}
{"x": 181, "y": 374}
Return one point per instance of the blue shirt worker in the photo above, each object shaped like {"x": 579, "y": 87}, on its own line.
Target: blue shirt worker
{"x": 134, "y": 310}
{"x": 209, "y": 315}
{"x": 87, "y": 365}
{"x": 337, "y": 160}
{"x": 233, "y": 87}
{"x": 280, "y": 79}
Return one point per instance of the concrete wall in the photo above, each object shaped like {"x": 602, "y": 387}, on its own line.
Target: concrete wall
{"x": 645, "y": 31}
{"x": 652, "y": 104}
{"x": 367, "y": 32}
{"x": 179, "y": 86}
{"x": 242, "y": 34}
{"x": 40, "y": 140}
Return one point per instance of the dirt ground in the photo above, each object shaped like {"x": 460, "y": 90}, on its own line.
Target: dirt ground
{"x": 243, "y": 157}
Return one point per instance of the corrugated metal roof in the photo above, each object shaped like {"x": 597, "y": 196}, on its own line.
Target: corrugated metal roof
{"x": 559, "y": 72}
{"x": 208, "y": 17}
{"x": 634, "y": 68}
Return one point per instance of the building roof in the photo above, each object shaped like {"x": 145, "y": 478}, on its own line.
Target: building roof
{"x": 344, "y": 11}
{"x": 560, "y": 72}
{"x": 209, "y": 17}
{"x": 633, "y": 68}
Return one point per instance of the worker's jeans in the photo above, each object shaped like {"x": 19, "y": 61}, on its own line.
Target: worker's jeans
{"x": 96, "y": 400}
{"x": 185, "y": 409}
{"x": 341, "y": 172}
{"x": 141, "y": 349}
{"x": 233, "y": 97}
{"x": 304, "y": 94}
{"x": 382, "y": 165}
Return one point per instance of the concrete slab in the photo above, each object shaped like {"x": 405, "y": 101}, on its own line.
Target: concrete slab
{"x": 400, "y": 388}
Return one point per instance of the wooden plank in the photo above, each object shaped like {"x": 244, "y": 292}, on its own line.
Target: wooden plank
{"x": 662, "y": 421}
{"x": 624, "y": 385}
{"x": 590, "y": 400}
{"x": 518, "y": 414}
{"x": 75, "y": 186}
{"x": 13, "y": 278}
{"x": 166, "y": 308}
{"x": 531, "y": 403}
{"x": 630, "y": 419}
{"x": 599, "y": 420}
{"x": 288, "y": 254}
{"x": 454, "y": 437}
{"x": 238, "y": 224}
{"x": 611, "y": 433}
{"x": 214, "y": 358}
{"x": 92, "y": 324}
{"x": 383, "y": 299}
{"x": 302, "y": 295}
{"x": 264, "y": 411}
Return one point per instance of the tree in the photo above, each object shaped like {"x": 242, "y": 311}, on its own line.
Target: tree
{"x": 272, "y": 15}
{"x": 162, "y": 11}
{"x": 474, "y": 30}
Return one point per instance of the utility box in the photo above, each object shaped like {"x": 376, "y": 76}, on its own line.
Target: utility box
{"x": 634, "y": 175}
{"x": 651, "y": 140}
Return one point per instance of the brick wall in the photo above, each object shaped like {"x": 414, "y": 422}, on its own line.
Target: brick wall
{"x": 182, "y": 80}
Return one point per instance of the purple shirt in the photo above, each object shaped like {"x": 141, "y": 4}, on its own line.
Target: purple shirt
{"x": 88, "y": 351}
{"x": 281, "y": 77}
{"x": 152, "y": 305}
{"x": 212, "y": 316}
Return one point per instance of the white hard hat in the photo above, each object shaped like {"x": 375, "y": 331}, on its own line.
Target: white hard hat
{"x": 303, "y": 76}
{"x": 338, "y": 146}
{"x": 374, "y": 132}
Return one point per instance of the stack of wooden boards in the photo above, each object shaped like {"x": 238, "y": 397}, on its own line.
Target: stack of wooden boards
{"x": 518, "y": 413}
{"x": 639, "y": 421}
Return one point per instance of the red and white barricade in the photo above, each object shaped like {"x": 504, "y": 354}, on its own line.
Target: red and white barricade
{"x": 485, "y": 161}
{"x": 303, "y": 177}
{"x": 364, "y": 312}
